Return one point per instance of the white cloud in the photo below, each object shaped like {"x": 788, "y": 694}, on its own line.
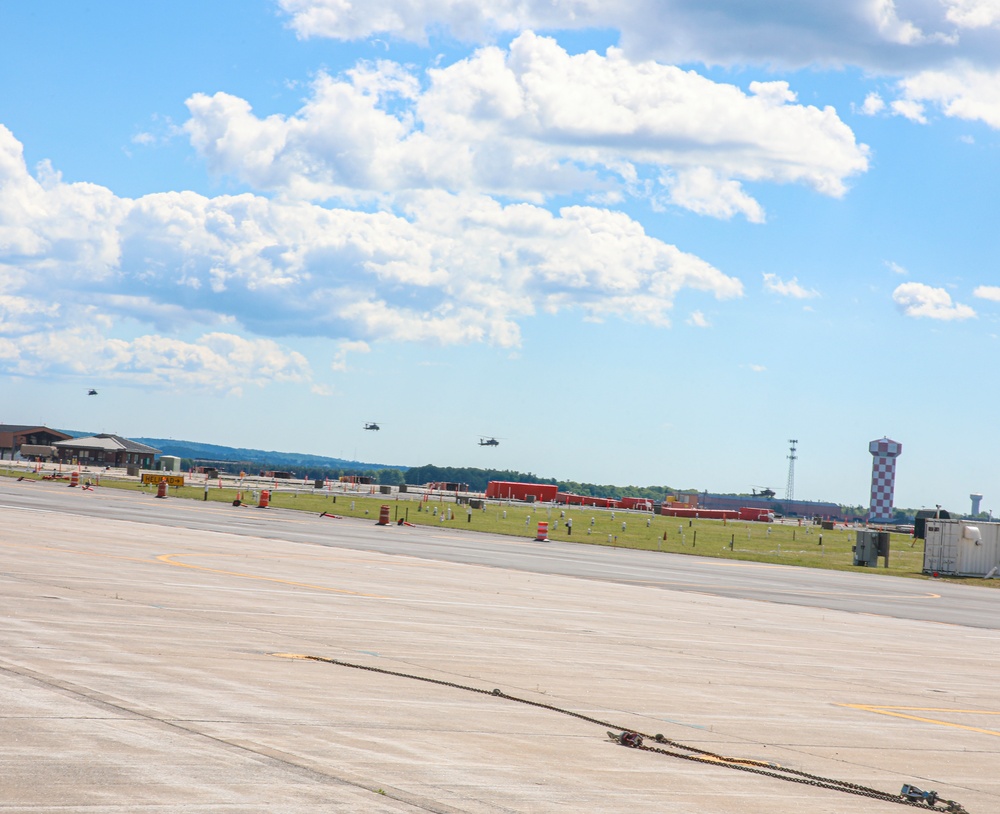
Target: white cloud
{"x": 442, "y": 268}
{"x": 698, "y": 320}
{"x": 909, "y": 109}
{"x": 973, "y": 13}
{"x": 345, "y": 347}
{"x": 873, "y": 105}
{"x": 702, "y": 191}
{"x": 895, "y": 268}
{"x": 215, "y": 362}
{"x": 757, "y": 368}
{"x": 886, "y": 35}
{"x": 987, "y": 292}
{"x": 791, "y": 288}
{"x": 892, "y": 27}
{"x": 919, "y": 300}
{"x": 962, "y": 92}
{"x": 945, "y": 52}
{"x": 529, "y": 123}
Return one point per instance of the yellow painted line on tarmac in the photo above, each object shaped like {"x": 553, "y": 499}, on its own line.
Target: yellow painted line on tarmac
{"x": 904, "y": 712}
{"x": 169, "y": 559}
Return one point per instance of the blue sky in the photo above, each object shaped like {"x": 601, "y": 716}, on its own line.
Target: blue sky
{"x": 641, "y": 242}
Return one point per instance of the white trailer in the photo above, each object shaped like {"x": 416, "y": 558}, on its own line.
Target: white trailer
{"x": 961, "y": 548}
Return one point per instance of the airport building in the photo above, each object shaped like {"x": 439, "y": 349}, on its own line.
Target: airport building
{"x": 15, "y": 436}
{"x": 106, "y": 450}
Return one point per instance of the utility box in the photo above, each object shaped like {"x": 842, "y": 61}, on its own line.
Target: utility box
{"x": 869, "y": 546}
{"x": 170, "y": 463}
{"x": 385, "y": 489}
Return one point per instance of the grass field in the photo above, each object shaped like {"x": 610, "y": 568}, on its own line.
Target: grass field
{"x": 806, "y": 545}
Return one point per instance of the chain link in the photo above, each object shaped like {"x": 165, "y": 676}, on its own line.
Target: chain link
{"x": 691, "y": 753}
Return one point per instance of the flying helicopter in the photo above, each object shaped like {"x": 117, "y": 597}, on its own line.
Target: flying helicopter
{"x": 765, "y": 492}
{"x": 91, "y": 392}
{"x": 489, "y": 442}
{"x": 372, "y": 425}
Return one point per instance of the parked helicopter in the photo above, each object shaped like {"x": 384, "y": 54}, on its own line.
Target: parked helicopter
{"x": 488, "y": 442}
{"x": 372, "y": 425}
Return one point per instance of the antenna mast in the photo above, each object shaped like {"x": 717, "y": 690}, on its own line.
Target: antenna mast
{"x": 790, "y": 488}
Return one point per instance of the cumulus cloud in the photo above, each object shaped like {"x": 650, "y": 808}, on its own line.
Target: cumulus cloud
{"x": 987, "y": 292}
{"x": 919, "y": 300}
{"x": 702, "y": 191}
{"x": 963, "y": 92}
{"x": 887, "y": 35}
{"x": 973, "y": 13}
{"x": 531, "y": 122}
{"x": 698, "y": 320}
{"x": 945, "y": 52}
{"x": 873, "y": 104}
{"x": 790, "y": 288}
{"x": 442, "y": 268}
{"x": 215, "y": 362}
{"x": 909, "y": 109}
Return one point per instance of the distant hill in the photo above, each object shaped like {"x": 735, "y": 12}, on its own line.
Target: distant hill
{"x": 298, "y": 462}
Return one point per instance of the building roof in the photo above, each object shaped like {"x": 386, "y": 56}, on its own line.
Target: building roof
{"x": 9, "y": 431}
{"x": 107, "y": 442}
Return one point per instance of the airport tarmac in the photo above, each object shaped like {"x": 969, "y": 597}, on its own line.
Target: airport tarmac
{"x": 151, "y": 660}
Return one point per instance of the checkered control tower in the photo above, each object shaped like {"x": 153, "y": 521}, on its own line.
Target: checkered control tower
{"x": 884, "y": 452}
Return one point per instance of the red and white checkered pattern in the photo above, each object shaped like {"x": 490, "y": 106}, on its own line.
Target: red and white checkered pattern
{"x": 885, "y": 453}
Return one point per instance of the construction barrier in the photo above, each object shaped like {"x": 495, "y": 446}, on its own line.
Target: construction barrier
{"x": 161, "y": 488}
{"x": 264, "y": 500}
{"x": 74, "y": 479}
{"x": 383, "y": 515}
{"x": 543, "y": 531}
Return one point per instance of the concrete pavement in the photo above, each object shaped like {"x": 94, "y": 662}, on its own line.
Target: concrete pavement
{"x": 141, "y": 669}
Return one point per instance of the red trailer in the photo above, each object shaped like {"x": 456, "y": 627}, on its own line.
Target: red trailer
{"x": 571, "y": 499}
{"x": 641, "y": 503}
{"x": 509, "y": 490}
{"x": 704, "y": 514}
{"x": 756, "y": 514}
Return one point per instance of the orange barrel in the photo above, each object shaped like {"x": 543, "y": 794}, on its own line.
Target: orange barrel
{"x": 383, "y": 515}
{"x": 161, "y": 488}
{"x": 74, "y": 479}
{"x": 264, "y": 500}
{"x": 543, "y": 531}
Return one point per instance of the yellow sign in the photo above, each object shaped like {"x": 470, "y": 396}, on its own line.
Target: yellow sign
{"x": 172, "y": 480}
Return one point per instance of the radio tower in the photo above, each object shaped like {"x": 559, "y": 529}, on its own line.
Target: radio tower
{"x": 790, "y": 488}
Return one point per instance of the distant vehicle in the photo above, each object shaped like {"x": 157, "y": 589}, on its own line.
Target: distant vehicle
{"x": 488, "y": 442}
{"x": 372, "y": 425}
{"x": 91, "y": 392}
{"x": 766, "y": 492}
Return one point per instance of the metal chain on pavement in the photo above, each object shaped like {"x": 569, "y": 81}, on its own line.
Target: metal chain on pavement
{"x": 635, "y": 739}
